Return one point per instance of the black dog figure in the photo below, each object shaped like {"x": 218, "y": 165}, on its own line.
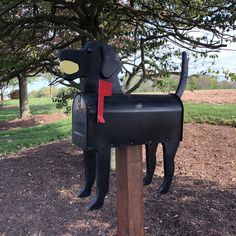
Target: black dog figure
{"x": 98, "y": 61}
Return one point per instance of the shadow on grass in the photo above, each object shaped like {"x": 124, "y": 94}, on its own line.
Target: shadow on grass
{"x": 14, "y": 140}
{"x": 9, "y": 113}
{"x": 44, "y": 106}
{"x": 37, "y": 198}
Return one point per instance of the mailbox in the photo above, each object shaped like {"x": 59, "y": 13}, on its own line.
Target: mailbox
{"x": 130, "y": 120}
{"x": 103, "y": 117}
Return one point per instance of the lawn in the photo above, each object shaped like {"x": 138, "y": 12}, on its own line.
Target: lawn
{"x": 217, "y": 114}
{"x": 14, "y": 140}
{"x": 37, "y": 106}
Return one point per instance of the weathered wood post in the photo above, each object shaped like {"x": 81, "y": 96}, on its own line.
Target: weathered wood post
{"x": 129, "y": 171}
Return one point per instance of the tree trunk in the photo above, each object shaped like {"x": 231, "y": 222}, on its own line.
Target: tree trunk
{"x": 50, "y": 90}
{"x": 1, "y": 97}
{"x": 23, "y": 99}
{"x": 1, "y": 92}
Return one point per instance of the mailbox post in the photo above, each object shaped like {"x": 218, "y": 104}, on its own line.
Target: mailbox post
{"x": 129, "y": 171}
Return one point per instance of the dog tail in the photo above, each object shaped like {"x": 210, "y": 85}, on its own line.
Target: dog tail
{"x": 184, "y": 75}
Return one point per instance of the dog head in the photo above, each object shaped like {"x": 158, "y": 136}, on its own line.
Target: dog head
{"x": 95, "y": 60}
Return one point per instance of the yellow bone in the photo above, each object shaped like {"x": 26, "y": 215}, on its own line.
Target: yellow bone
{"x": 69, "y": 67}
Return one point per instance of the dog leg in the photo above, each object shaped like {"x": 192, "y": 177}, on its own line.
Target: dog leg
{"x": 169, "y": 151}
{"x": 150, "y": 163}
{"x": 89, "y": 172}
{"x": 103, "y": 162}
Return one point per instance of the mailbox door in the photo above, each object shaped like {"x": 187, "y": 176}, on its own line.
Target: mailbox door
{"x": 79, "y": 122}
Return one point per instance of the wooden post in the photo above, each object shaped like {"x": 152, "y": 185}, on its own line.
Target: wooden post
{"x": 129, "y": 171}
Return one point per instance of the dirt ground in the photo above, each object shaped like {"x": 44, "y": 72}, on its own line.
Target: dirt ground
{"x": 31, "y": 121}
{"x": 211, "y": 96}
{"x": 38, "y": 186}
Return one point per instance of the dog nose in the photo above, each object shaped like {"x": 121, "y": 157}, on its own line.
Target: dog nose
{"x": 68, "y": 67}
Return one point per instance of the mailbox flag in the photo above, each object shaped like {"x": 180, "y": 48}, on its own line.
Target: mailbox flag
{"x": 104, "y": 89}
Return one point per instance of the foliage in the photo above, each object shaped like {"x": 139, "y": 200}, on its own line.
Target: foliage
{"x": 225, "y": 84}
{"x": 147, "y": 34}
{"x": 230, "y": 75}
{"x": 195, "y": 82}
{"x": 143, "y": 32}
{"x": 14, "y": 94}
{"x": 44, "y": 92}
{"x": 204, "y": 82}
{"x": 4, "y": 86}
{"x": 198, "y": 82}
{"x": 63, "y": 99}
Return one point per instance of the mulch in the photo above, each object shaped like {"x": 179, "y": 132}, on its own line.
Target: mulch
{"x": 38, "y": 186}
{"x": 34, "y": 120}
{"x": 211, "y": 96}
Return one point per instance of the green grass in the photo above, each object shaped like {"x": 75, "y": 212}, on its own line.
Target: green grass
{"x": 37, "y": 106}
{"x": 9, "y": 114}
{"x": 218, "y": 114}
{"x": 14, "y": 140}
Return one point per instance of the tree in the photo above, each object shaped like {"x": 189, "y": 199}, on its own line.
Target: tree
{"x": 146, "y": 33}
{"x": 4, "y": 87}
{"x": 230, "y": 75}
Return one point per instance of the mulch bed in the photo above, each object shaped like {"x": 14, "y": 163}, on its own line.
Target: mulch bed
{"x": 31, "y": 121}
{"x": 211, "y": 96}
{"x": 38, "y": 186}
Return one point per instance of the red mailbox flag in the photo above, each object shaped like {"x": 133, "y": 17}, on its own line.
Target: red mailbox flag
{"x": 104, "y": 89}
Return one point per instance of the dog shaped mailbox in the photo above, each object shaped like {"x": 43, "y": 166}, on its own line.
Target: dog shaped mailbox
{"x": 99, "y": 124}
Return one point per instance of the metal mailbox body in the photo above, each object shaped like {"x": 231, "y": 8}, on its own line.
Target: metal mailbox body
{"x": 129, "y": 119}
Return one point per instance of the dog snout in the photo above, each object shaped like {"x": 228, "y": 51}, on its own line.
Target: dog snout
{"x": 69, "y": 67}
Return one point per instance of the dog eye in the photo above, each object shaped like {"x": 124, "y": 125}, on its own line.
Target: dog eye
{"x": 89, "y": 50}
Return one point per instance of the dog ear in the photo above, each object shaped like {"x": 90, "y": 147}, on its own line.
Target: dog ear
{"x": 110, "y": 61}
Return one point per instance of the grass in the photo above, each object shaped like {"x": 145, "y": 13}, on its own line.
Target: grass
{"x": 37, "y": 106}
{"x": 218, "y": 114}
{"x": 14, "y": 140}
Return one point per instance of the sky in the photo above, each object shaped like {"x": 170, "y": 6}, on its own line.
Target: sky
{"x": 226, "y": 60}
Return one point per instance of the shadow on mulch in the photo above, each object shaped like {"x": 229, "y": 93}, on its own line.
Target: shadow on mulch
{"x": 37, "y": 197}
{"x": 9, "y": 107}
{"x": 31, "y": 121}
